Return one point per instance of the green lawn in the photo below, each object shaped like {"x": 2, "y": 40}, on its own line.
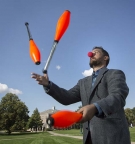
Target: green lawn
{"x": 46, "y": 138}
{"x": 73, "y": 132}
{"x": 132, "y": 134}
{"x": 77, "y": 132}
{"x": 37, "y": 138}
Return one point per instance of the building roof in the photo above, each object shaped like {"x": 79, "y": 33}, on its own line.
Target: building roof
{"x": 50, "y": 111}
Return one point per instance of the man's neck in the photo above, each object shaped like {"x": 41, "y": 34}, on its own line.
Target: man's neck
{"x": 97, "y": 68}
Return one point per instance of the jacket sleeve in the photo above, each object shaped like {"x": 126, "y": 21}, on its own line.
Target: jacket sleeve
{"x": 118, "y": 91}
{"x": 64, "y": 96}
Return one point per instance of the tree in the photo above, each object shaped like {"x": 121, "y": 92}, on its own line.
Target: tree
{"x": 13, "y": 113}
{"x": 35, "y": 120}
{"x": 129, "y": 115}
{"x": 133, "y": 110}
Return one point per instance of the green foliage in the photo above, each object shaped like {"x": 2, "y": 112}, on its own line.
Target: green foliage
{"x": 129, "y": 115}
{"x": 35, "y": 120}
{"x": 133, "y": 110}
{"x": 13, "y": 113}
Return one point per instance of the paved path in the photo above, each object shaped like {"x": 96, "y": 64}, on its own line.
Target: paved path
{"x": 66, "y": 135}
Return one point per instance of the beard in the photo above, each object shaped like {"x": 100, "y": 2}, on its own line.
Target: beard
{"x": 95, "y": 63}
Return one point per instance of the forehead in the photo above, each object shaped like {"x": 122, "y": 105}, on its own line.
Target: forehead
{"x": 97, "y": 50}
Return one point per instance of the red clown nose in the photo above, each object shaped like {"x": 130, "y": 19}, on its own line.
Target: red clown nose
{"x": 90, "y": 54}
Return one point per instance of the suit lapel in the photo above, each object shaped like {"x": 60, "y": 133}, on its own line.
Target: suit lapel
{"x": 99, "y": 77}
{"x": 88, "y": 87}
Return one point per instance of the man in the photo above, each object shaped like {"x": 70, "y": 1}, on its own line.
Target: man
{"x": 103, "y": 98}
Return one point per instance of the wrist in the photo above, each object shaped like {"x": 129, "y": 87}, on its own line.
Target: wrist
{"x": 95, "y": 109}
{"x": 48, "y": 85}
{"x": 99, "y": 110}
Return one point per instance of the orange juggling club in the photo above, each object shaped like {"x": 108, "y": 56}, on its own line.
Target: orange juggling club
{"x": 61, "y": 27}
{"x": 34, "y": 51}
{"x": 63, "y": 119}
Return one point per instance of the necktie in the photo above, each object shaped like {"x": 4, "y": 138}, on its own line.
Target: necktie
{"x": 93, "y": 79}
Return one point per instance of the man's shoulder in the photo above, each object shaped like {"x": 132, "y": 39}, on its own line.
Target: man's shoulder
{"x": 85, "y": 78}
{"x": 112, "y": 72}
{"x": 115, "y": 70}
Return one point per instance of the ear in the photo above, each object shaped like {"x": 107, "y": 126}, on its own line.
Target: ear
{"x": 106, "y": 58}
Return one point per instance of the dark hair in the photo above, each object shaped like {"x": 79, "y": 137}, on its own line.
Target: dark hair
{"x": 105, "y": 53}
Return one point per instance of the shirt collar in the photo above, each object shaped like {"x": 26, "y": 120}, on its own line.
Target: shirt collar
{"x": 96, "y": 72}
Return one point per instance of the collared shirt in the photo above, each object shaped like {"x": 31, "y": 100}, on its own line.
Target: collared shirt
{"x": 94, "y": 76}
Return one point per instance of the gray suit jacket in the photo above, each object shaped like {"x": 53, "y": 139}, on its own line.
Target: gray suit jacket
{"x": 109, "y": 91}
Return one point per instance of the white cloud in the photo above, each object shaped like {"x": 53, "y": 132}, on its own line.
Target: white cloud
{"x": 87, "y": 72}
{"x": 58, "y": 67}
{"x": 14, "y": 91}
{"x": 4, "y": 88}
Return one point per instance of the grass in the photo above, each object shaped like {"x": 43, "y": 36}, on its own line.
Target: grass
{"x": 37, "y": 138}
{"x": 73, "y": 132}
{"x": 46, "y": 138}
{"x": 132, "y": 134}
{"x": 77, "y": 133}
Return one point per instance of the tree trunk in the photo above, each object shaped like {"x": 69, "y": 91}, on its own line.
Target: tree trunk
{"x": 9, "y": 131}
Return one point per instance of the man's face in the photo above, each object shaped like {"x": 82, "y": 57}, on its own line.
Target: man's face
{"x": 97, "y": 59}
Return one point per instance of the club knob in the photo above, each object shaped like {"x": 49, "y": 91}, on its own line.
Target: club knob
{"x": 26, "y": 23}
{"x": 50, "y": 121}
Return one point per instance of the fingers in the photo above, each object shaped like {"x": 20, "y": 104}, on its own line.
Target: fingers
{"x": 88, "y": 112}
{"x": 84, "y": 117}
{"x": 34, "y": 75}
{"x": 37, "y": 77}
{"x": 42, "y": 80}
{"x": 81, "y": 110}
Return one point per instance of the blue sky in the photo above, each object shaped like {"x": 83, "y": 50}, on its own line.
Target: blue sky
{"x": 106, "y": 23}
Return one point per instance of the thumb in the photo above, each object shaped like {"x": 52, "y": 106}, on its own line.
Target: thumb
{"x": 80, "y": 111}
{"x": 45, "y": 74}
{"x": 83, "y": 112}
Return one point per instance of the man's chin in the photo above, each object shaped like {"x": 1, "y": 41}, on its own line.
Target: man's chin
{"x": 91, "y": 65}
